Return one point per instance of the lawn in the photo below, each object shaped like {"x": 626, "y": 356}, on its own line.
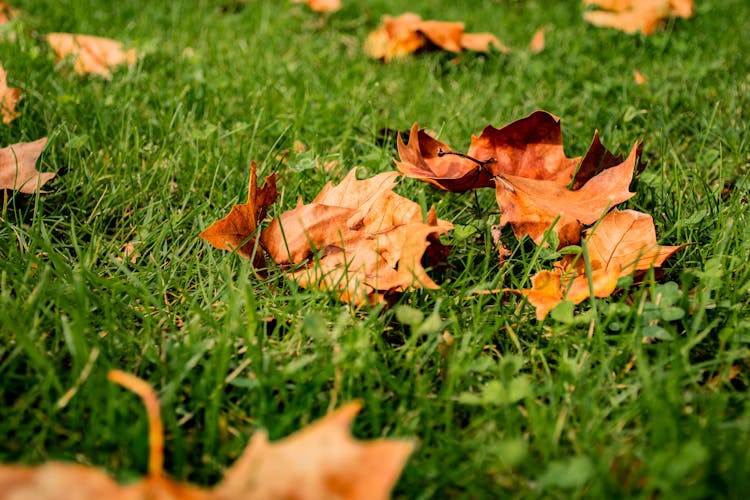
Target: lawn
{"x": 586, "y": 403}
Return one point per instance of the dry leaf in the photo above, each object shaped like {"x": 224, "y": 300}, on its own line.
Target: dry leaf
{"x": 321, "y": 5}
{"x": 9, "y": 97}
{"x": 623, "y": 243}
{"x": 430, "y": 160}
{"x": 6, "y": 12}
{"x": 129, "y": 253}
{"x": 530, "y": 147}
{"x": 18, "y": 167}
{"x": 638, "y": 77}
{"x": 532, "y": 206}
{"x": 631, "y": 16}
{"x": 536, "y": 44}
{"x": 236, "y": 230}
{"x": 359, "y": 239}
{"x": 321, "y": 461}
{"x": 407, "y": 33}
{"x": 91, "y": 54}
{"x": 526, "y": 164}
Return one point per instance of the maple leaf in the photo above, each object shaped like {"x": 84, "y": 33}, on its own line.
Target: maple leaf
{"x": 402, "y": 35}
{"x": 532, "y": 206}
{"x": 9, "y": 97}
{"x": 91, "y": 54}
{"x": 18, "y": 167}
{"x": 529, "y": 147}
{"x": 631, "y": 16}
{"x": 235, "y": 231}
{"x": 320, "y": 461}
{"x": 430, "y": 160}
{"x": 359, "y": 239}
{"x": 321, "y": 5}
{"x": 526, "y": 164}
{"x": 622, "y": 244}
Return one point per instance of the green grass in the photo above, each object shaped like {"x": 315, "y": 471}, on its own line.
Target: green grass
{"x": 574, "y": 405}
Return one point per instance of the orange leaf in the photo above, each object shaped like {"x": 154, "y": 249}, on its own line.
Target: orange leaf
{"x": 321, "y": 5}
{"x": 6, "y": 12}
{"x": 622, "y": 243}
{"x": 626, "y": 240}
{"x": 530, "y": 147}
{"x": 9, "y": 97}
{"x": 424, "y": 158}
{"x": 536, "y": 44}
{"x": 18, "y": 167}
{"x": 235, "y": 231}
{"x": 320, "y": 461}
{"x": 365, "y": 239}
{"x": 407, "y": 33}
{"x": 631, "y": 16}
{"x": 531, "y": 206}
{"x": 91, "y": 54}
{"x": 638, "y": 77}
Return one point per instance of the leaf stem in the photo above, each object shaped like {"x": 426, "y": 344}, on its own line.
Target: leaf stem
{"x": 481, "y": 164}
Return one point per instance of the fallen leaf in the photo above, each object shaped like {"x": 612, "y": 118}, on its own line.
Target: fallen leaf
{"x": 129, "y": 253}
{"x": 536, "y": 44}
{"x": 430, "y": 160}
{"x": 321, "y": 5}
{"x": 638, "y": 77}
{"x": 9, "y": 97}
{"x": 526, "y": 164}
{"x": 631, "y": 16}
{"x": 318, "y": 462}
{"x": 529, "y": 147}
{"x": 407, "y": 33}
{"x": 622, "y": 244}
{"x": 359, "y": 239}
{"x": 236, "y": 230}
{"x": 18, "y": 167}
{"x": 91, "y": 54}
{"x": 532, "y": 206}
{"x": 6, "y": 12}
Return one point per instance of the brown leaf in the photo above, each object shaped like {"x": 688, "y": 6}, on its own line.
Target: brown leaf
{"x": 91, "y": 54}
{"x": 6, "y": 12}
{"x": 631, "y": 16}
{"x": 531, "y": 206}
{"x": 321, "y": 5}
{"x": 530, "y": 147}
{"x": 320, "y": 461}
{"x": 359, "y": 239}
{"x": 18, "y": 167}
{"x": 424, "y": 158}
{"x": 536, "y": 45}
{"x": 623, "y": 243}
{"x": 407, "y": 33}
{"x": 9, "y": 97}
{"x": 626, "y": 240}
{"x": 235, "y": 231}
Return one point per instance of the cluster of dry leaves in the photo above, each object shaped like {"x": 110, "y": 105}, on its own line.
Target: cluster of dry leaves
{"x": 358, "y": 239}
{"x": 89, "y": 55}
{"x": 539, "y": 189}
{"x": 364, "y": 242}
{"x": 321, "y": 461}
